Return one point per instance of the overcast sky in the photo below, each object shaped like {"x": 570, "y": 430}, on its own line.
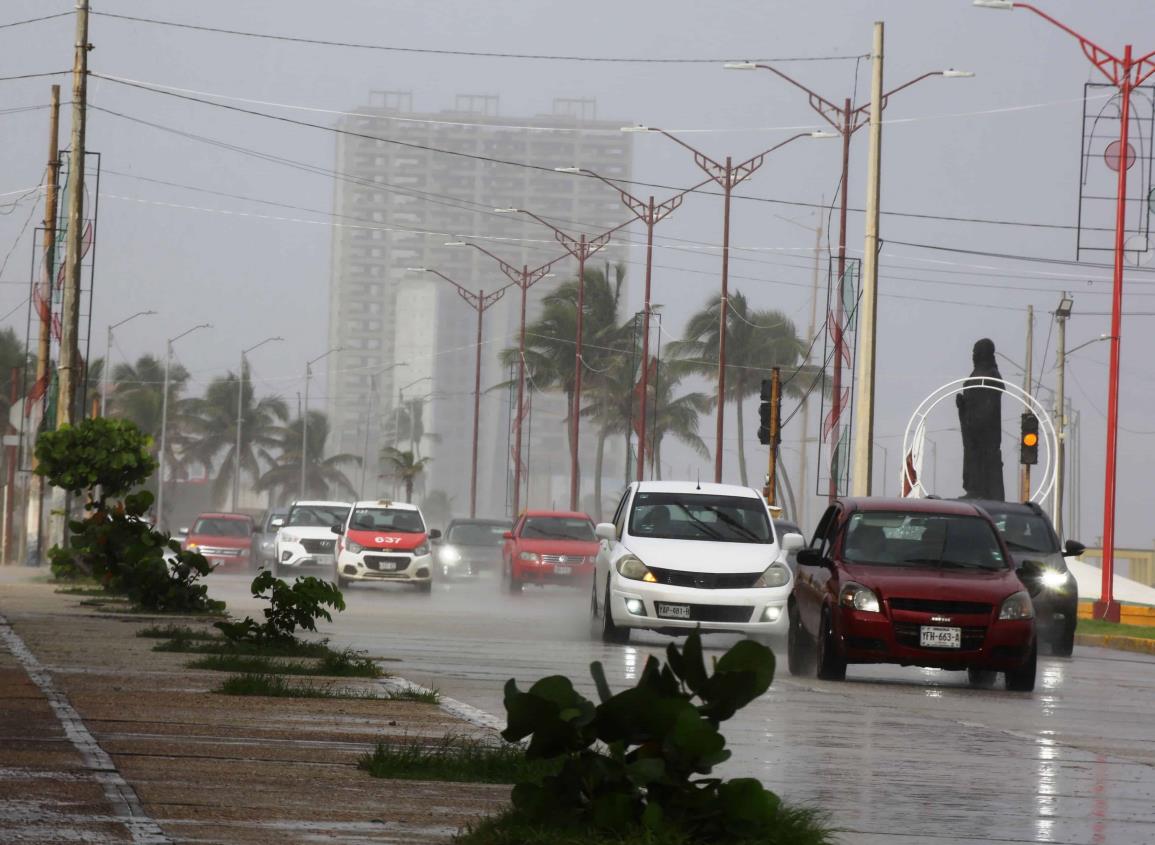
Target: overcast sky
{"x": 1004, "y": 145}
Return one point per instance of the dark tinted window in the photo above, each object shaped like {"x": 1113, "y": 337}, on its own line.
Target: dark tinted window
{"x": 700, "y": 516}
{"x": 215, "y": 527}
{"x": 557, "y": 528}
{"x": 476, "y": 533}
{"x": 1026, "y": 532}
{"x": 316, "y": 516}
{"x": 387, "y": 519}
{"x": 937, "y": 541}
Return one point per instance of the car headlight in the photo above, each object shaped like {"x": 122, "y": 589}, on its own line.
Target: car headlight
{"x": 1053, "y": 579}
{"x": 1017, "y": 606}
{"x": 860, "y": 598}
{"x": 776, "y": 575}
{"x": 355, "y": 548}
{"x": 530, "y": 556}
{"x": 421, "y": 550}
{"x": 449, "y": 554}
{"x": 632, "y": 568}
{"x": 192, "y": 547}
{"x": 290, "y": 538}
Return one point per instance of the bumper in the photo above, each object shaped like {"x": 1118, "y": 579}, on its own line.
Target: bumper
{"x": 875, "y": 638}
{"x": 550, "y": 573}
{"x": 756, "y": 612}
{"x": 404, "y": 569}
{"x": 1055, "y": 611}
{"x": 293, "y": 555}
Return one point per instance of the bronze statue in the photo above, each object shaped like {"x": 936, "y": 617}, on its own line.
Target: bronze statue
{"x": 980, "y": 414}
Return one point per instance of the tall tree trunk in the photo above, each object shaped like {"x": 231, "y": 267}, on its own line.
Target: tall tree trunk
{"x": 658, "y": 458}
{"x": 741, "y": 440}
{"x": 599, "y": 460}
{"x": 409, "y": 489}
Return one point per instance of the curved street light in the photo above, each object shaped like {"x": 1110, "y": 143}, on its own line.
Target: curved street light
{"x": 305, "y": 417}
{"x": 106, "y": 372}
{"x": 164, "y": 418}
{"x": 240, "y": 418}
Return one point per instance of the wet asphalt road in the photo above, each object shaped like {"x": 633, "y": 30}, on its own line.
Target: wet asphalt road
{"x": 894, "y": 754}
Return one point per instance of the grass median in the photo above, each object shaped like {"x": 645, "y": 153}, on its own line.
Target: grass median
{"x": 1099, "y": 627}
{"x": 334, "y": 664}
{"x": 278, "y": 686}
{"x": 452, "y": 758}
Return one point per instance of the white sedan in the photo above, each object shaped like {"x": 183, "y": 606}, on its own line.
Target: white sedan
{"x": 682, "y": 555}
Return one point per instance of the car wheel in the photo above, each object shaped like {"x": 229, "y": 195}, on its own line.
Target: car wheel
{"x": 277, "y": 573}
{"x": 595, "y": 622}
{"x": 1063, "y": 645}
{"x": 981, "y": 678}
{"x": 425, "y": 587}
{"x": 1022, "y": 679}
{"x": 831, "y": 667}
{"x": 799, "y": 646}
{"x": 512, "y": 584}
{"x": 611, "y": 633}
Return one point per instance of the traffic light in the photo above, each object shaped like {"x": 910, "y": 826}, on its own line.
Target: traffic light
{"x": 1029, "y": 440}
{"x": 765, "y": 412}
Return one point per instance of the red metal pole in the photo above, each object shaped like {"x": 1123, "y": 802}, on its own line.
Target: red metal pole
{"x": 575, "y": 412}
{"x": 723, "y": 315}
{"x": 1107, "y": 608}
{"x": 839, "y": 338}
{"x": 10, "y": 490}
{"x": 476, "y": 408}
{"x": 524, "y": 285}
{"x": 646, "y": 338}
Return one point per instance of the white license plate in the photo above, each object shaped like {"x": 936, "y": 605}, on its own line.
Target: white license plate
{"x": 386, "y": 566}
{"x": 562, "y": 570}
{"x": 674, "y": 611}
{"x": 930, "y": 637}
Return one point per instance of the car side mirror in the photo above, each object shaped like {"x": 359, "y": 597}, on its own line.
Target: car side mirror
{"x": 277, "y": 523}
{"x": 337, "y": 529}
{"x": 812, "y": 557}
{"x": 507, "y": 535}
{"x": 606, "y": 531}
{"x": 435, "y": 534}
{"x": 183, "y": 532}
{"x": 792, "y": 542}
{"x": 1074, "y": 548}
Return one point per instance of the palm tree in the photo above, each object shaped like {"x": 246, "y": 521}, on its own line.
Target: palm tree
{"x": 756, "y": 341}
{"x": 137, "y": 394}
{"x": 211, "y": 429}
{"x": 437, "y": 507}
{"x": 674, "y": 417}
{"x": 403, "y": 466}
{"x": 322, "y": 474}
{"x": 16, "y": 361}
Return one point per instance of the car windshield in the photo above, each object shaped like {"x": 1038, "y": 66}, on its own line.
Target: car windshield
{"x": 558, "y": 528}
{"x": 316, "y": 516}
{"x": 922, "y": 540}
{"x": 387, "y": 519}
{"x": 1026, "y": 532}
{"x": 700, "y": 516}
{"x": 477, "y": 533}
{"x": 218, "y": 527}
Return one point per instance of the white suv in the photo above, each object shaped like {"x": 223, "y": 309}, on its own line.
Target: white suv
{"x": 681, "y": 555}
{"x": 306, "y": 536}
{"x": 385, "y": 541}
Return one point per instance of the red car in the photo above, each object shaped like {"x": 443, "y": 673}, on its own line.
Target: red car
{"x": 226, "y": 539}
{"x": 917, "y": 582}
{"x": 549, "y": 547}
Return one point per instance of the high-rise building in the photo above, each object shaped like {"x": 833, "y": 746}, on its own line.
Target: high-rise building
{"x": 405, "y": 371}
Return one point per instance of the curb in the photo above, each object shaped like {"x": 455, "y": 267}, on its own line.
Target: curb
{"x": 1135, "y": 644}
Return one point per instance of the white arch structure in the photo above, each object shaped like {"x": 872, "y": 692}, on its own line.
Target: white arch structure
{"x": 915, "y": 434}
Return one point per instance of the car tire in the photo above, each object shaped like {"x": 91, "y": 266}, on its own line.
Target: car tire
{"x": 799, "y": 646}
{"x": 512, "y": 585}
{"x": 611, "y": 633}
{"x": 981, "y": 678}
{"x": 341, "y": 582}
{"x": 276, "y": 569}
{"x": 1022, "y": 679}
{"x": 1063, "y": 645}
{"x": 830, "y": 667}
{"x": 425, "y": 587}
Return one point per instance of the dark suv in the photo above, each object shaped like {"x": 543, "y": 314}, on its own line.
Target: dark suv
{"x": 1035, "y": 548}
{"x": 917, "y": 582}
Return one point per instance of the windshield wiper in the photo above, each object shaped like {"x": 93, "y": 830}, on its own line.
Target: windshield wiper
{"x": 729, "y": 520}
{"x": 705, "y": 526}
{"x": 950, "y": 564}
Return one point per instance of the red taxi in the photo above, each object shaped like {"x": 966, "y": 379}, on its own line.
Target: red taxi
{"x": 225, "y": 539}
{"x": 549, "y": 547}
{"x": 384, "y": 541}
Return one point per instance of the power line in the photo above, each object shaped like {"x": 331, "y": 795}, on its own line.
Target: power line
{"x": 1066, "y": 262}
{"x": 35, "y": 20}
{"x": 472, "y": 53}
{"x": 35, "y": 75}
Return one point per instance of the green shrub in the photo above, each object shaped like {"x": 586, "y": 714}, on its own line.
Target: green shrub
{"x": 636, "y": 759}
{"x": 291, "y": 606}
{"x": 103, "y": 456}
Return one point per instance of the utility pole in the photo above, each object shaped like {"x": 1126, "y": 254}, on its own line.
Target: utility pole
{"x": 164, "y": 421}
{"x": 868, "y": 306}
{"x": 241, "y": 419}
{"x": 770, "y": 491}
{"x": 305, "y": 418}
{"x": 106, "y": 370}
{"x": 1062, "y": 313}
{"x": 1025, "y": 469}
{"x": 69, "y": 363}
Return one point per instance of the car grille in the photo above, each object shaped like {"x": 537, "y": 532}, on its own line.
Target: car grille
{"x": 318, "y": 547}
{"x": 939, "y": 606}
{"x": 907, "y": 634}
{"x": 564, "y": 560}
{"x": 720, "y": 613}
{"x": 216, "y": 552}
{"x": 706, "y": 580}
{"x": 388, "y": 563}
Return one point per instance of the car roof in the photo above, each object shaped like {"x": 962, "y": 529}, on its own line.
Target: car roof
{"x": 311, "y": 503}
{"x": 954, "y": 507}
{"x": 467, "y": 521}
{"x": 379, "y": 504}
{"x": 995, "y": 506}
{"x": 697, "y": 487}
{"x": 224, "y": 516}
{"x": 561, "y": 514}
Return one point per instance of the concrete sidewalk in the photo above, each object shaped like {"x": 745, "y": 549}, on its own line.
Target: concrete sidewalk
{"x": 103, "y": 740}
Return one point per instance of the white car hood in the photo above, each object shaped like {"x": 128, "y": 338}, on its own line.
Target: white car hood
{"x": 306, "y": 532}
{"x": 702, "y": 556}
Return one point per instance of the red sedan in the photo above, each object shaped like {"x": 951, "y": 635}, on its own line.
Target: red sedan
{"x": 917, "y": 582}
{"x": 549, "y": 547}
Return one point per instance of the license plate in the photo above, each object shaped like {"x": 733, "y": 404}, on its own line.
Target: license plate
{"x": 384, "y": 565}
{"x": 930, "y": 637}
{"x": 674, "y": 611}
{"x": 562, "y": 570}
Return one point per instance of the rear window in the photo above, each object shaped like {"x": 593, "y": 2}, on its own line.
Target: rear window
{"x": 1025, "y": 532}
{"x": 316, "y": 516}
{"x": 923, "y": 540}
{"x": 221, "y": 527}
{"x": 476, "y": 534}
{"x": 387, "y": 519}
{"x": 557, "y": 528}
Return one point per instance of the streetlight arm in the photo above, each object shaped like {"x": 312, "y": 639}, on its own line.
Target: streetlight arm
{"x": 512, "y": 272}
{"x": 742, "y": 172}
{"x": 701, "y": 159}
{"x": 133, "y": 317}
{"x": 259, "y": 345}
{"x": 817, "y": 102}
{"x": 173, "y": 340}
{"x": 1109, "y": 65}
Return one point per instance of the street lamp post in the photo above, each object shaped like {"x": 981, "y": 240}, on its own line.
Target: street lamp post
{"x": 240, "y": 419}
{"x": 524, "y": 278}
{"x": 305, "y": 418}
{"x": 1125, "y": 74}
{"x": 728, "y": 176}
{"x": 164, "y": 419}
{"x": 845, "y": 120}
{"x": 479, "y": 302}
{"x": 650, "y": 214}
{"x": 397, "y": 414}
{"x": 581, "y": 248}
{"x": 370, "y": 412}
{"x": 106, "y": 372}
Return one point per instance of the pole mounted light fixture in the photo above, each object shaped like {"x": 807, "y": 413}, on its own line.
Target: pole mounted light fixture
{"x": 506, "y": 210}
{"x": 740, "y": 66}
{"x": 567, "y": 170}
{"x": 951, "y": 73}
{"x": 636, "y": 128}
{"x": 454, "y": 243}
{"x": 1004, "y": 5}
{"x": 822, "y": 133}
{"x": 1065, "y": 306}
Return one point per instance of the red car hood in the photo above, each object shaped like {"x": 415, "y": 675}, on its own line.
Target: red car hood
{"x": 577, "y": 548}
{"x": 389, "y": 540}
{"x": 219, "y": 542}
{"x": 978, "y": 585}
